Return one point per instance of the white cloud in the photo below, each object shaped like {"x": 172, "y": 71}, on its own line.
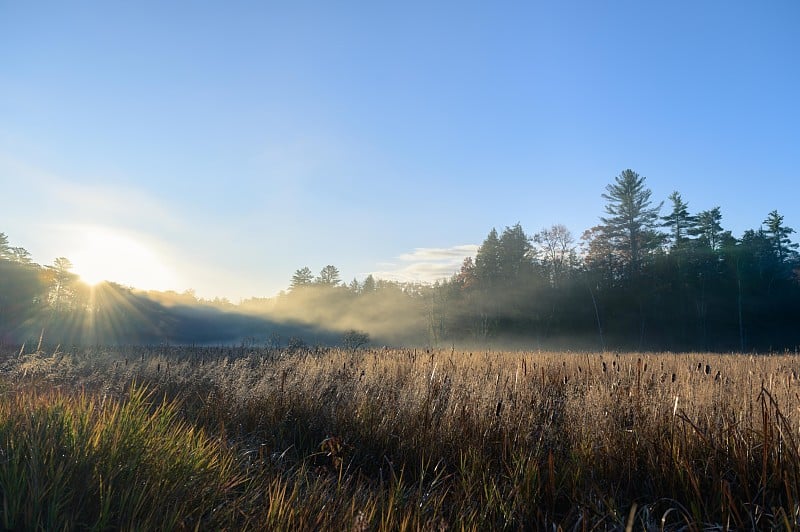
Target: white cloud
{"x": 58, "y": 200}
{"x": 427, "y": 264}
{"x": 51, "y": 215}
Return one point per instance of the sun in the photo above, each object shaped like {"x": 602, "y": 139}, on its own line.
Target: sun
{"x": 108, "y": 255}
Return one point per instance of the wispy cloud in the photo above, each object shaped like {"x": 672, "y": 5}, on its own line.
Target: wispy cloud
{"x": 53, "y": 215}
{"x": 58, "y": 199}
{"x": 426, "y": 264}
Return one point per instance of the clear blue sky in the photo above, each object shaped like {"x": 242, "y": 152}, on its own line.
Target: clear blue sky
{"x": 236, "y": 142}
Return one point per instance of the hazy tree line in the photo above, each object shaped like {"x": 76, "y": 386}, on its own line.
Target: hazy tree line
{"x": 52, "y": 303}
{"x": 641, "y": 279}
{"x": 648, "y": 276}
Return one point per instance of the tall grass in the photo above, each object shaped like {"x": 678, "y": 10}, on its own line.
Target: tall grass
{"x": 405, "y": 439}
{"x": 73, "y": 461}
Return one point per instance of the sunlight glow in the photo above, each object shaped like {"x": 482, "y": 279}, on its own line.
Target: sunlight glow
{"x": 105, "y": 255}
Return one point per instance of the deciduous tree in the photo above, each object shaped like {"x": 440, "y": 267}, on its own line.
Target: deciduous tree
{"x": 558, "y": 251}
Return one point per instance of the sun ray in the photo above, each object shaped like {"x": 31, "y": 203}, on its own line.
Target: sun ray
{"x": 107, "y": 255}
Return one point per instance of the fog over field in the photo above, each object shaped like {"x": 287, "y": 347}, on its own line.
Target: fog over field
{"x": 646, "y": 277}
{"x": 375, "y": 266}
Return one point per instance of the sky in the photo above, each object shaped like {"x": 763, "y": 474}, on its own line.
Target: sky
{"x": 220, "y": 146}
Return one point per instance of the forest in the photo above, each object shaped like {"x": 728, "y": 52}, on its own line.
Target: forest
{"x": 648, "y": 276}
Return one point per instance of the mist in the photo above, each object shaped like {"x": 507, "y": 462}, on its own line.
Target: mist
{"x": 696, "y": 287}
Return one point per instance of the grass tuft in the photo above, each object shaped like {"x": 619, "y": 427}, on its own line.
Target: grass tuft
{"x": 398, "y": 440}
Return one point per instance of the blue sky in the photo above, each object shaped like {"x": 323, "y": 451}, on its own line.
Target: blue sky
{"x": 236, "y": 142}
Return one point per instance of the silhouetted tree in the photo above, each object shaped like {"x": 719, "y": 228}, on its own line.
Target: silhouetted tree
{"x": 679, "y": 221}
{"x": 778, "y": 235}
{"x": 514, "y": 254}
{"x": 708, "y": 229}
{"x": 630, "y": 226}
{"x": 302, "y": 277}
{"x": 62, "y": 289}
{"x": 369, "y": 285}
{"x": 20, "y": 255}
{"x": 487, "y": 260}
{"x": 353, "y": 339}
{"x": 21, "y": 293}
{"x": 558, "y": 251}
{"x": 466, "y": 277}
{"x": 5, "y": 250}
{"x": 329, "y": 276}
{"x": 601, "y": 258}
{"x": 354, "y": 286}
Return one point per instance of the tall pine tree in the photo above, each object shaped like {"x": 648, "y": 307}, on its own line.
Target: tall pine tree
{"x": 630, "y": 226}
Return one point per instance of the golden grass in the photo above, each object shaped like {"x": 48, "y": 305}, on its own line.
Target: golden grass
{"x": 416, "y": 439}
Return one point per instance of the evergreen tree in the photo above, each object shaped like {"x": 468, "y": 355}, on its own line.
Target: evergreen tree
{"x": 679, "y": 221}
{"x": 62, "y": 287}
{"x": 631, "y": 222}
{"x": 20, "y": 255}
{"x": 369, "y": 285}
{"x": 329, "y": 276}
{"x": 21, "y": 290}
{"x": 778, "y": 235}
{"x": 302, "y": 277}
{"x": 514, "y": 254}
{"x": 5, "y": 250}
{"x": 466, "y": 276}
{"x": 708, "y": 229}
{"x": 354, "y": 286}
{"x": 487, "y": 260}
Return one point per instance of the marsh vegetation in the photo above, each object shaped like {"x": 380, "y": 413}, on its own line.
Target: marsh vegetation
{"x": 380, "y": 439}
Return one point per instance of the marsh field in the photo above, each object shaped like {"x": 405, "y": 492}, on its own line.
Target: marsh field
{"x": 396, "y": 439}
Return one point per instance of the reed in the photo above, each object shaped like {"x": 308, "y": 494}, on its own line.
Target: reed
{"x": 410, "y": 439}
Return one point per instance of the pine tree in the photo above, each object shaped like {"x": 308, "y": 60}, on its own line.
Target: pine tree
{"x": 514, "y": 254}
{"x": 302, "y": 277}
{"x": 487, "y": 260}
{"x": 679, "y": 221}
{"x": 329, "y": 276}
{"x": 5, "y": 250}
{"x": 631, "y": 223}
{"x": 708, "y": 229}
{"x": 369, "y": 285}
{"x": 778, "y": 235}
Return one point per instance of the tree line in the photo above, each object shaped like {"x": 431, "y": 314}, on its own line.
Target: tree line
{"x": 640, "y": 279}
{"x": 51, "y": 303}
{"x": 647, "y": 277}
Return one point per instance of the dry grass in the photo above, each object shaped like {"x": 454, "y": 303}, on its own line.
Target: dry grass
{"x": 410, "y": 439}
